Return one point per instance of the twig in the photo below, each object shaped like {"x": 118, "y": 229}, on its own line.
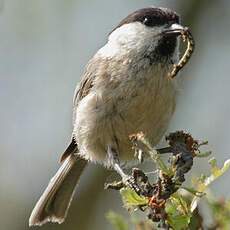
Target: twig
{"x": 170, "y": 177}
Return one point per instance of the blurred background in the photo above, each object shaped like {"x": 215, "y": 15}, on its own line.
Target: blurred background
{"x": 44, "y": 46}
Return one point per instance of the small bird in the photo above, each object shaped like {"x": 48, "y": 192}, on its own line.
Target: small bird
{"x": 125, "y": 89}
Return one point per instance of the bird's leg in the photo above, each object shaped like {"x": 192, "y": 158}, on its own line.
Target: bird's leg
{"x": 127, "y": 180}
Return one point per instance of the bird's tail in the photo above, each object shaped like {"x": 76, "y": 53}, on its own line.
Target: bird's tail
{"x": 54, "y": 203}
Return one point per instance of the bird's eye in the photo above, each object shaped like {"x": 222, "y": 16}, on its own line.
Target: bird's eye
{"x": 147, "y": 21}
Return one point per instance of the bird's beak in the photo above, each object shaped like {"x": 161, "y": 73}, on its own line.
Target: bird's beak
{"x": 174, "y": 30}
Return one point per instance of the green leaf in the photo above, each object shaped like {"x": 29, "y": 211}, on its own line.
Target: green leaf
{"x": 131, "y": 198}
{"x": 117, "y": 221}
{"x": 178, "y": 212}
{"x": 204, "y": 182}
{"x": 226, "y": 166}
{"x": 214, "y": 169}
{"x": 179, "y": 222}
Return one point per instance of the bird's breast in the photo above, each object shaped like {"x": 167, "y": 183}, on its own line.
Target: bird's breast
{"x": 107, "y": 117}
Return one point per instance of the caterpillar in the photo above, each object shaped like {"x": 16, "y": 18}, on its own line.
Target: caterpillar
{"x": 186, "y": 36}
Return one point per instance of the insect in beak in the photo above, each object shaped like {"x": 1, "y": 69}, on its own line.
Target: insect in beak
{"x": 184, "y": 32}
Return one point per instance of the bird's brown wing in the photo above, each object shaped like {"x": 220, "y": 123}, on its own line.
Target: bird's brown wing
{"x": 95, "y": 64}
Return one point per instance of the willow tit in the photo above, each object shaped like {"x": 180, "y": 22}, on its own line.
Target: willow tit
{"x": 125, "y": 89}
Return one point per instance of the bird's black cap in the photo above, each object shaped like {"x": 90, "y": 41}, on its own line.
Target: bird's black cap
{"x": 151, "y": 16}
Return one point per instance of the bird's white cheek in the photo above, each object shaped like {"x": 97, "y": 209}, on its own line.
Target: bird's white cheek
{"x": 130, "y": 39}
{"x": 109, "y": 50}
